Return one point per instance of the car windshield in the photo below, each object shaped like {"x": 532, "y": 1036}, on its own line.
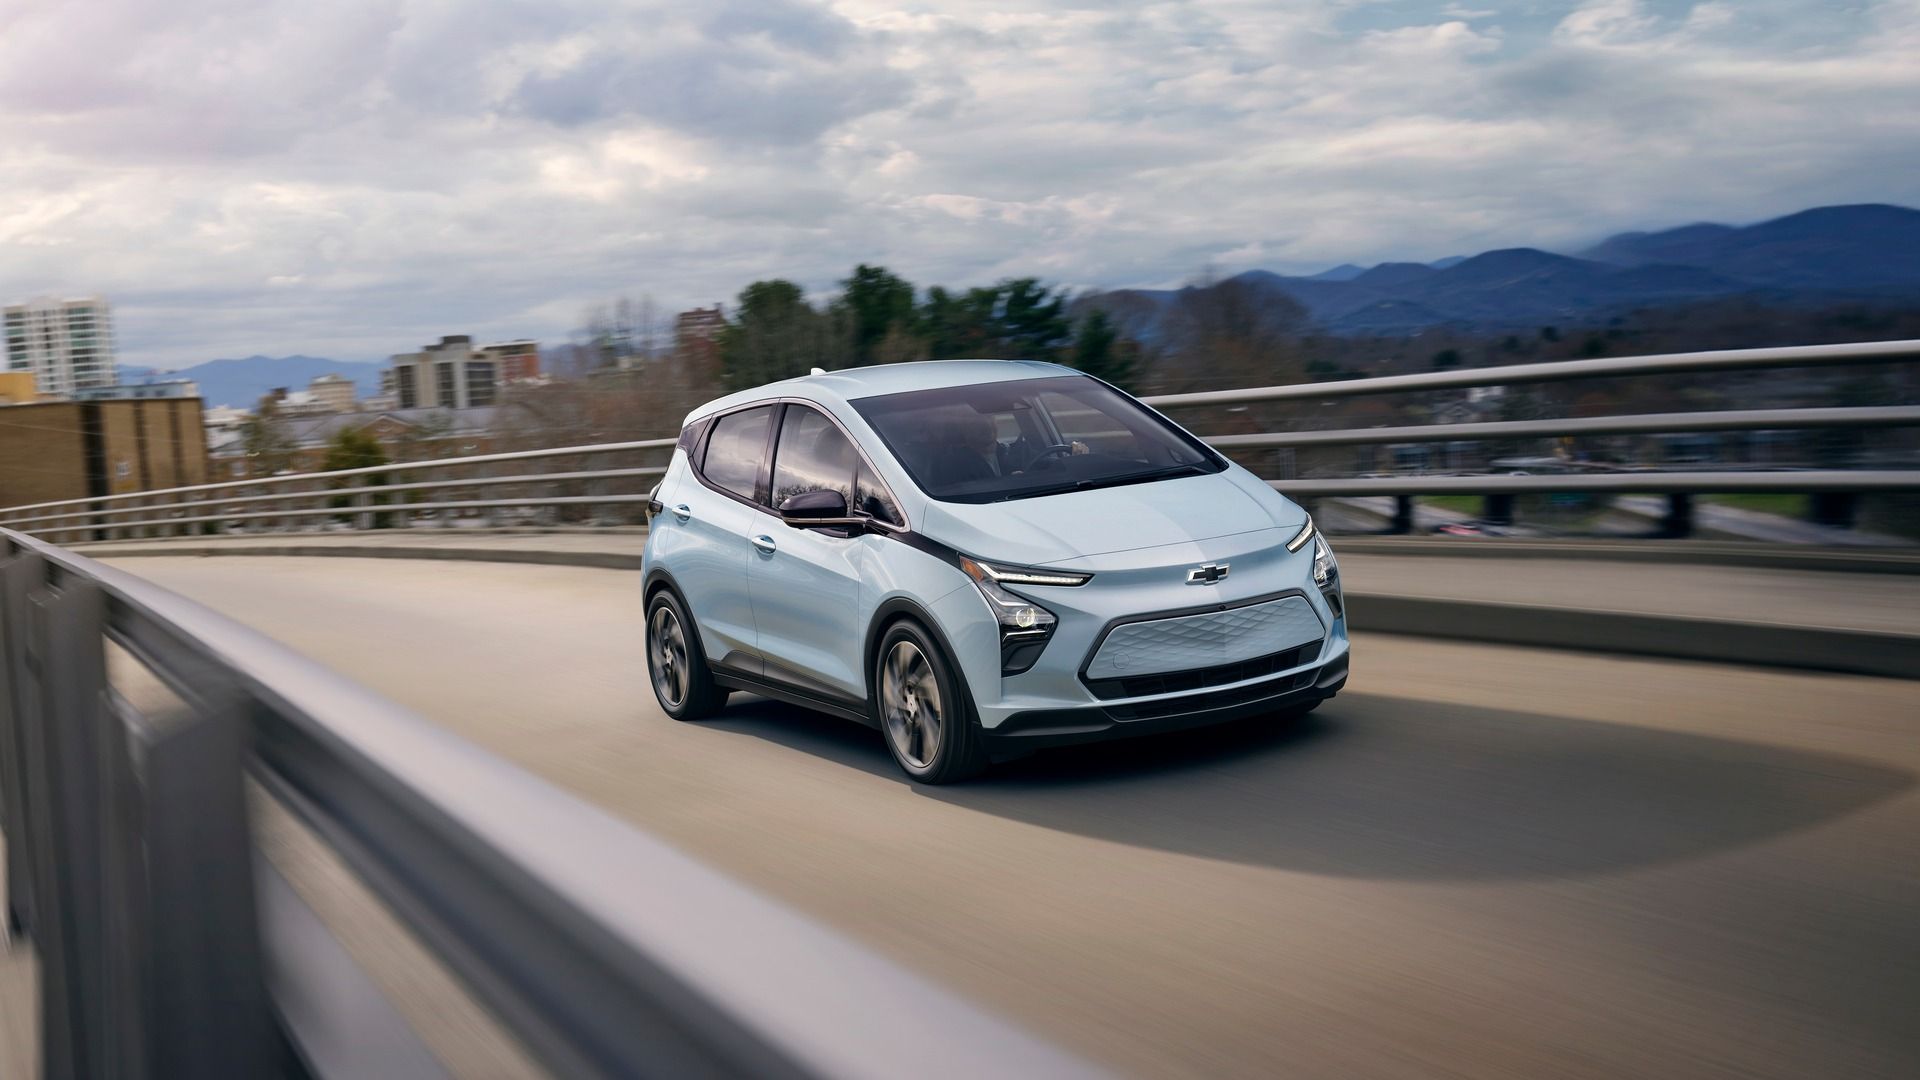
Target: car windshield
{"x": 991, "y": 442}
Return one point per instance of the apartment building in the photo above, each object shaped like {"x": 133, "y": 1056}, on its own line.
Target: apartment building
{"x": 66, "y": 344}
{"x": 335, "y": 393}
{"x": 517, "y": 361}
{"x": 450, "y": 374}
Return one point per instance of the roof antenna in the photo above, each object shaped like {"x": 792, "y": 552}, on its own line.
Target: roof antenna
{"x": 818, "y": 371}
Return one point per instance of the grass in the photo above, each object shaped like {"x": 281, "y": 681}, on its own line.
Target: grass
{"x": 1793, "y": 506}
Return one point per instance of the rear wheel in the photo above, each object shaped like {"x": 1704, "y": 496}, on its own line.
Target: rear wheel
{"x": 682, "y": 683}
{"x": 924, "y": 712}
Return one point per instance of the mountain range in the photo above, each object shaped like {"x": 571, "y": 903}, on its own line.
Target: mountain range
{"x": 1836, "y": 253}
{"x": 242, "y": 382}
{"x": 1868, "y": 252}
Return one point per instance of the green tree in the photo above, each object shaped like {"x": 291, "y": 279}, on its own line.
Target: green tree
{"x": 1032, "y": 319}
{"x": 1098, "y": 350}
{"x": 355, "y": 448}
{"x": 879, "y": 304}
{"x": 775, "y": 334}
{"x": 1446, "y": 358}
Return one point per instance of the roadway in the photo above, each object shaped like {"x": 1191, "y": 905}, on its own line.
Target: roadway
{"x": 1481, "y": 861}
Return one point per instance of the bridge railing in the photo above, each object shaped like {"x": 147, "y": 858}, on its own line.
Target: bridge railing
{"x": 493, "y": 489}
{"x": 130, "y": 722}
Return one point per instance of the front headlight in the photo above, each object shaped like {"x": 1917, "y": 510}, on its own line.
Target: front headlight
{"x": 1325, "y": 569}
{"x": 1024, "y": 625}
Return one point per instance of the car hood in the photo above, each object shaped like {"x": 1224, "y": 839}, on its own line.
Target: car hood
{"x": 1053, "y": 529}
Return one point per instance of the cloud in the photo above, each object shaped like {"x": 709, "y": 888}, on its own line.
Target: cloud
{"x": 355, "y": 178}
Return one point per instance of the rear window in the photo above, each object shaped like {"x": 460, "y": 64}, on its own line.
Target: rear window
{"x": 737, "y": 451}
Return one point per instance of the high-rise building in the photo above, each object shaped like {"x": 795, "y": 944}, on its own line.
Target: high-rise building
{"x": 448, "y": 375}
{"x": 67, "y": 344}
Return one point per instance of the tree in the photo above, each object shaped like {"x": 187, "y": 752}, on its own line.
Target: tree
{"x": 880, "y": 306}
{"x": 775, "y": 334}
{"x": 1446, "y": 358}
{"x": 356, "y": 448}
{"x": 269, "y": 448}
{"x": 1032, "y": 319}
{"x": 1098, "y": 350}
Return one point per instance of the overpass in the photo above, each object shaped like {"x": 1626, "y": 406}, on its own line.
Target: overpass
{"x": 1484, "y": 859}
{"x": 1488, "y": 858}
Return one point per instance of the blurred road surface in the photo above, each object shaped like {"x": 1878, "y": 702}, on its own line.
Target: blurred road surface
{"x": 1479, "y": 861}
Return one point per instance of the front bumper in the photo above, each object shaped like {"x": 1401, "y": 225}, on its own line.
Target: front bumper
{"x": 1033, "y": 729}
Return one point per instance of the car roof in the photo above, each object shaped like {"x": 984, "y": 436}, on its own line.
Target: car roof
{"x": 849, "y": 384}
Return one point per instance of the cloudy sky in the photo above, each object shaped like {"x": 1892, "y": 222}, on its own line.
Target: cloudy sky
{"x": 355, "y": 177}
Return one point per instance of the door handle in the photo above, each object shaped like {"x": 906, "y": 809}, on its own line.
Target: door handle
{"x": 765, "y": 544}
{"x": 683, "y": 512}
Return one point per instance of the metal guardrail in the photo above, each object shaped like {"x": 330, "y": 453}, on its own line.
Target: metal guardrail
{"x": 313, "y": 500}
{"x": 168, "y": 946}
{"x": 1870, "y": 352}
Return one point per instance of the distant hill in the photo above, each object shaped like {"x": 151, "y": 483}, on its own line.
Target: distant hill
{"x": 1865, "y": 252}
{"x": 242, "y": 382}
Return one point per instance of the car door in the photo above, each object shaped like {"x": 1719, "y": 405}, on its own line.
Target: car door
{"x": 807, "y": 582}
{"x": 719, "y": 515}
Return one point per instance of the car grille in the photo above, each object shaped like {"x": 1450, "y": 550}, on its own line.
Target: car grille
{"x": 1194, "y": 645}
{"x": 1178, "y": 682}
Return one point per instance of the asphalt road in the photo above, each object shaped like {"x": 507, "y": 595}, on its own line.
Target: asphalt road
{"x": 1478, "y": 862}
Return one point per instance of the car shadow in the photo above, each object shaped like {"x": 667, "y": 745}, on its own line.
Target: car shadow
{"x": 1378, "y": 787}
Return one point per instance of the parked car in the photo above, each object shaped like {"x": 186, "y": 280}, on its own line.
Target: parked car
{"x": 979, "y": 558}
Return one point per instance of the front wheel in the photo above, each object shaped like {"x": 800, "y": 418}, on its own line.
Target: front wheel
{"x": 682, "y": 683}
{"x": 924, "y": 711}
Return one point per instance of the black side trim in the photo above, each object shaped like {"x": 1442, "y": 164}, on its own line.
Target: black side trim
{"x": 834, "y": 704}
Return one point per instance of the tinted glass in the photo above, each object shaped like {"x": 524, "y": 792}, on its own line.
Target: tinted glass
{"x": 1015, "y": 440}
{"x": 870, "y": 498}
{"x": 813, "y": 456}
{"x": 738, "y": 450}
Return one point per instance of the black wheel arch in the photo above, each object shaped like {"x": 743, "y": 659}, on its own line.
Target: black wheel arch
{"x": 893, "y": 611}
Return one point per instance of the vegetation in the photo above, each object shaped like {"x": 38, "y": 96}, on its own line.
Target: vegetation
{"x": 356, "y": 448}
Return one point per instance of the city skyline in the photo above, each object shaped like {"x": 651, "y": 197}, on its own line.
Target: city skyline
{"x": 334, "y": 185}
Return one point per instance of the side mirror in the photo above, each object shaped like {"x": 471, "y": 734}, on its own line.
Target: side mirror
{"x": 816, "y": 508}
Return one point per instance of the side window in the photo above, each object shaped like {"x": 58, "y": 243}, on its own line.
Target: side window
{"x": 870, "y": 498}
{"x": 813, "y": 456}
{"x": 737, "y": 450}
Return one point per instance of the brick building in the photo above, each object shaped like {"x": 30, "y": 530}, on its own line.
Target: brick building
{"x": 86, "y": 449}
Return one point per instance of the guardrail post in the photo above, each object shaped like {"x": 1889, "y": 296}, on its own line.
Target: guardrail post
{"x": 1498, "y": 509}
{"x": 1402, "y": 522}
{"x": 187, "y": 986}
{"x": 1835, "y": 509}
{"x": 66, "y": 653}
{"x": 20, "y": 573}
{"x": 1678, "y": 524}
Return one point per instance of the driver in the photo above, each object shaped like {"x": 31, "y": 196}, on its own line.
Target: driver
{"x": 969, "y": 451}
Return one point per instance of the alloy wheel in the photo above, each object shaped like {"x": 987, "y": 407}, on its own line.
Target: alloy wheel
{"x": 667, "y": 647}
{"x": 910, "y": 704}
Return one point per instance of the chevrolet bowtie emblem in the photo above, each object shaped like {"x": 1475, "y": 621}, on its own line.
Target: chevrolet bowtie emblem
{"x": 1210, "y": 574}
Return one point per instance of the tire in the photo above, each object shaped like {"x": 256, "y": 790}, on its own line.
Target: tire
{"x": 681, "y": 680}
{"x": 925, "y": 712}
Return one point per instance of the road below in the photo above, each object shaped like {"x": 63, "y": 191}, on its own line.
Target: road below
{"x": 1480, "y": 861}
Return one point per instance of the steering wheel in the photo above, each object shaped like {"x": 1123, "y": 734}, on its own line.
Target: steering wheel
{"x": 1056, "y": 450}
